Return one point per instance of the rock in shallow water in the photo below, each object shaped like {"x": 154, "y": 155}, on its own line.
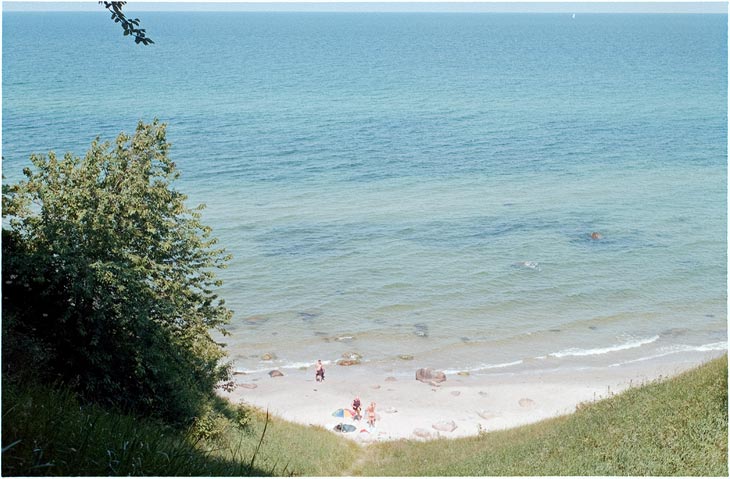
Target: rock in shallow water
{"x": 348, "y": 362}
{"x": 534, "y": 265}
{"x": 275, "y": 373}
{"x": 421, "y": 330}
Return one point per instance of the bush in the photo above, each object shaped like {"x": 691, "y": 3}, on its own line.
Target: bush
{"x": 111, "y": 275}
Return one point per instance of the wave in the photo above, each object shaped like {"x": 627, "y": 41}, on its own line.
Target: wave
{"x": 598, "y": 351}
{"x": 274, "y": 365}
{"x": 713, "y": 346}
{"x": 483, "y": 367}
{"x": 683, "y": 348}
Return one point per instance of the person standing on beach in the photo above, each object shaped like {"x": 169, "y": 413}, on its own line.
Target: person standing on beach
{"x": 371, "y": 414}
{"x": 357, "y": 408}
{"x": 319, "y": 371}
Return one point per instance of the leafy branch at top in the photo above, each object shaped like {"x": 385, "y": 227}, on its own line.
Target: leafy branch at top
{"x": 130, "y": 26}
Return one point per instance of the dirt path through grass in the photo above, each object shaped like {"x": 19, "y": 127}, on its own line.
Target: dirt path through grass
{"x": 356, "y": 467}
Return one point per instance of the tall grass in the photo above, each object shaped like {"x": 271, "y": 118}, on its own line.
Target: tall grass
{"x": 47, "y": 432}
{"x": 670, "y": 428}
{"x": 677, "y": 427}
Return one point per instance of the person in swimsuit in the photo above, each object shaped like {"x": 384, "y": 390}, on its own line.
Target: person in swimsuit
{"x": 319, "y": 371}
{"x": 371, "y": 414}
{"x": 357, "y": 408}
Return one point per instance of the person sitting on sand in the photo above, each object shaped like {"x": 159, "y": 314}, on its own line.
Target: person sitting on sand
{"x": 371, "y": 414}
{"x": 319, "y": 371}
{"x": 357, "y": 408}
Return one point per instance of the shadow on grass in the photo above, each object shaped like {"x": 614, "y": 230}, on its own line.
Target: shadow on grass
{"x": 48, "y": 432}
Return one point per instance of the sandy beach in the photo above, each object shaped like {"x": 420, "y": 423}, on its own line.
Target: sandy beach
{"x": 407, "y": 408}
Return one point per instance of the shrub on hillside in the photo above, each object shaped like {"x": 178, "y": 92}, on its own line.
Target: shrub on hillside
{"x": 111, "y": 275}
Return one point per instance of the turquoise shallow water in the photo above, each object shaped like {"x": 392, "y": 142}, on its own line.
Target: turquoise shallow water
{"x": 421, "y": 184}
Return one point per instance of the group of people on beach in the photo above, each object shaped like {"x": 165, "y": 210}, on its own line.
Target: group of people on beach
{"x": 356, "y": 405}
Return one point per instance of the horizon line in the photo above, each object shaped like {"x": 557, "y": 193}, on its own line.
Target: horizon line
{"x": 588, "y": 7}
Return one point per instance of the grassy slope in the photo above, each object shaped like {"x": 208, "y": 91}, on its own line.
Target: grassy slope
{"x": 676, "y": 427}
{"x": 58, "y": 436}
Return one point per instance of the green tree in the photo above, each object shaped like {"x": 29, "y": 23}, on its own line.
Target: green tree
{"x": 111, "y": 276}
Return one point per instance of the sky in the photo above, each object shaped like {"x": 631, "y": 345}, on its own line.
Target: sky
{"x": 385, "y": 6}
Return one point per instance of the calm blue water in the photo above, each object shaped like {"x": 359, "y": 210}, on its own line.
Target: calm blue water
{"x": 420, "y": 184}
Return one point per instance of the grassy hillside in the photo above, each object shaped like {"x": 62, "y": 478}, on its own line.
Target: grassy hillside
{"x": 47, "y": 432}
{"x": 676, "y": 427}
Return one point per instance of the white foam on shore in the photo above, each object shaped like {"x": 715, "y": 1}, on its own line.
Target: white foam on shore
{"x": 720, "y": 346}
{"x": 606, "y": 350}
{"x": 273, "y": 365}
{"x": 483, "y": 367}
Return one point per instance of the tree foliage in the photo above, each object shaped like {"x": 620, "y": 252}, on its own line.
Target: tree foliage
{"x": 130, "y": 26}
{"x": 108, "y": 272}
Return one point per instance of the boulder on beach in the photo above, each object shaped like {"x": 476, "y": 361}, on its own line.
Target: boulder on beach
{"x": 445, "y": 426}
{"x": 275, "y": 373}
{"x": 484, "y": 414}
{"x": 526, "y": 402}
{"x": 422, "y": 433}
{"x": 268, "y": 356}
{"x": 428, "y": 375}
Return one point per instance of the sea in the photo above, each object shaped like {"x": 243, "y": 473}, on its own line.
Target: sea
{"x": 420, "y": 189}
